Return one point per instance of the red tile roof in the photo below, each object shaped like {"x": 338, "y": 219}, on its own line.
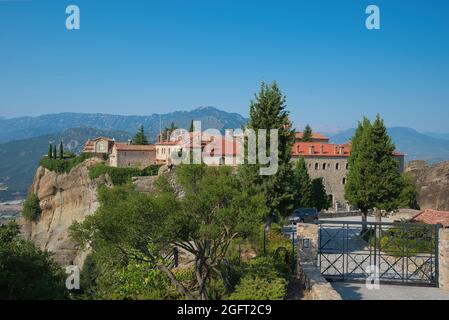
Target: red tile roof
{"x": 315, "y": 136}
{"x": 310, "y": 149}
{"x": 430, "y": 216}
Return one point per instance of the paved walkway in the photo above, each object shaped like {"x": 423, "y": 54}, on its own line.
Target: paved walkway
{"x": 358, "y": 291}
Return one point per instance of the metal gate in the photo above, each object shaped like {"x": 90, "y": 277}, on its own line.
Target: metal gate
{"x": 400, "y": 253}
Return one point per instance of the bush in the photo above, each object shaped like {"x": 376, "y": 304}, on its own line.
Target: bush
{"x": 262, "y": 278}
{"x": 64, "y": 165}
{"x": 25, "y": 271}
{"x": 121, "y": 175}
{"x": 31, "y": 208}
{"x": 258, "y": 288}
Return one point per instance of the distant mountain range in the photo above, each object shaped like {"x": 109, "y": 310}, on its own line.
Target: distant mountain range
{"x": 23, "y": 141}
{"x": 28, "y": 127}
{"x": 415, "y": 145}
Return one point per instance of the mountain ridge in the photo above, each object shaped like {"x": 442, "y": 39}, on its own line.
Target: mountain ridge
{"x": 28, "y": 127}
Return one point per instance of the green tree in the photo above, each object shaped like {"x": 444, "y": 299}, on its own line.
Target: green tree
{"x": 374, "y": 181}
{"x": 319, "y": 197}
{"x": 409, "y": 194}
{"x": 31, "y": 208}
{"x": 211, "y": 214}
{"x": 61, "y": 151}
{"x": 27, "y": 272}
{"x": 55, "y": 154}
{"x": 268, "y": 111}
{"x": 307, "y": 134}
{"x": 304, "y": 183}
{"x": 140, "y": 137}
{"x": 191, "y": 126}
{"x": 50, "y": 152}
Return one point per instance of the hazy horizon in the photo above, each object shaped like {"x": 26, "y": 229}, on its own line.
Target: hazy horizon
{"x": 147, "y": 57}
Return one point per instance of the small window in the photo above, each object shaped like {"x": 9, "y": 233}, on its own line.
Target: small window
{"x": 337, "y": 166}
{"x": 344, "y": 181}
{"x": 316, "y": 166}
{"x": 347, "y": 166}
{"x": 324, "y": 166}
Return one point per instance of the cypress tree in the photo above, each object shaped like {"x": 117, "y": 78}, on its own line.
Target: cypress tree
{"x": 268, "y": 111}
{"x": 140, "y": 137}
{"x": 307, "y": 134}
{"x": 55, "y": 155}
{"x": 191, "y": 126}
{"x": 304, "y": 184}
{"x": 61, "y": 151}
{"x": 50, "y": 152}
{"x": 319, "y": 196}
{"x": 374, "y": 180}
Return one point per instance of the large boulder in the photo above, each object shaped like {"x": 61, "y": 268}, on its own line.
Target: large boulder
{"x": 432, "y": 184}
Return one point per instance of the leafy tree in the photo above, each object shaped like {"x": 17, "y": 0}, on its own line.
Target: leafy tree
{"x": 131, "y": 226}
{"x": 61, "y": 151}
{"x": 409, "y": 194}
{"x": 268, "y": 111}
{"x": 304, "y": 184}
{"x": 140, "y": 137}
{"x": 307, "y": 134}
{"x": 319, "y": 197}
{"x": 50, "y": 152}
{"x": 374, "y": 180}
{"x": 27, "y": 272}
{"x": 31, "y": 208}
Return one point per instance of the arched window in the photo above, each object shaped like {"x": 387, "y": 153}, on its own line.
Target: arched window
{"x": 324, "y": 166}
{"x": 344, "y": 181}
{"x": 337, "y": 166}
{"x": 316, "y": 166}
{"x": 347, "y": 166}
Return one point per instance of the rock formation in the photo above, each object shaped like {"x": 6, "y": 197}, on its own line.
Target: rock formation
{"x": 432, "y": 183}
{"x": 64, "y": 199}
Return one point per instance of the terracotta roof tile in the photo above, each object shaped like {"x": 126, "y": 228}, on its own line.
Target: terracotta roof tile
{"x": 430, "y": 216}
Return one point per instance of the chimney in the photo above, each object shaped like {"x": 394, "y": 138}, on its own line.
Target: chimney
{"x": 311, "y": 150}
{"x": 321, "y": 148}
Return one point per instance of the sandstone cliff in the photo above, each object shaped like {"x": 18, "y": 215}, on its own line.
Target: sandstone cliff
{"x": 432, "y": 183}
{"x": 64, "y": 198}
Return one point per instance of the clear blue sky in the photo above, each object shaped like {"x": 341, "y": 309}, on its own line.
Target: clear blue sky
{"x": 143, "y": 57}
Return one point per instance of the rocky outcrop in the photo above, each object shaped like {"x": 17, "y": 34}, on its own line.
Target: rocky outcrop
{"x": 432, "y": 183}
{"x": 64, "y": 199}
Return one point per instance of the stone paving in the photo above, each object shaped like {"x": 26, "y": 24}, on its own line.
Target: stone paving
{"x": 358, "y": 291}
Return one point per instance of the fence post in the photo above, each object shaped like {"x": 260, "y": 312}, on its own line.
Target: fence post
{"x": 307, "y": 241}
{"x": 443, "y": 258}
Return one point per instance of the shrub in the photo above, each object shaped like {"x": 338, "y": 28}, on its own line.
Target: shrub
{"x": 31, "y": 208}
{"x": 121, "y": 175}
{"x": 64, "y": 165}
{"x": 260, "y": 288}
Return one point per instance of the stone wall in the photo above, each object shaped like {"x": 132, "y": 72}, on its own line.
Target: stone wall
{"x": 443, "y": 259}
{"x": 315, "y": 285}
{"x": 140, "y": 159}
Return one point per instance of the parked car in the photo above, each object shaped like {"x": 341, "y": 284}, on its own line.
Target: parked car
{"x": 301, "y": 215}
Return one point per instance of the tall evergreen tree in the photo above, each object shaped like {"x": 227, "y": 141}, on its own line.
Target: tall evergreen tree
{"x": 319, "y": 196}
{"x": 50, "y": 152}
{"x": 374, "y": 181}
{"x": 307, "y": 134}
{"x": 61, "y": 151}
{"x": 140, "y": 137}
{"x": 268, "y": 111}
{"x": 55, "y": 154}
{"x": 304, "y": 184}
{"x": 191, "y": 126}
